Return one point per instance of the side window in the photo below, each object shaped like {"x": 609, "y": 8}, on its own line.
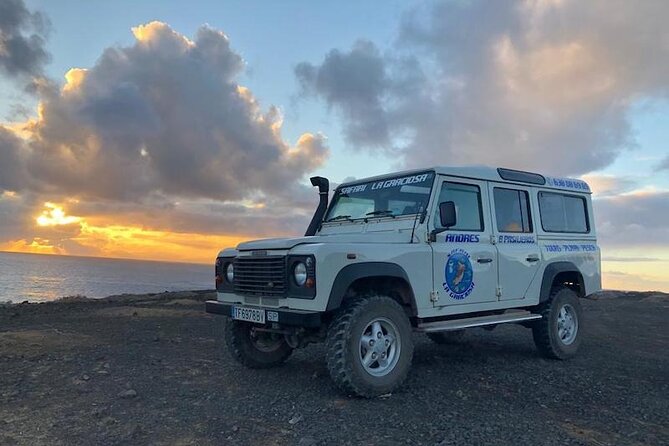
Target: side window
{"x": 512, "y": 210}
{"x": 563, "y": 213}
{"x": 467, "y": 199}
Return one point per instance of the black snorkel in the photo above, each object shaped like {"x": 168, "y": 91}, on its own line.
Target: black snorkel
{"x": 323, "y": 187}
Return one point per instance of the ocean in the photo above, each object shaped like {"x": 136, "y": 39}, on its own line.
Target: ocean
{"x": 40, "y": 278}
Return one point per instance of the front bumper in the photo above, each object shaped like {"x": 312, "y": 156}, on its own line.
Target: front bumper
{"x": 296, "y": 318}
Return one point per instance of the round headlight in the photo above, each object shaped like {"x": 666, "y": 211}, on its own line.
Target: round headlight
{"x": 230, "y": 272}
{"x": 300, "y": 273}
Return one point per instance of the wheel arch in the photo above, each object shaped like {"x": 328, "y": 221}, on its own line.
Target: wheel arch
{"x": 382, "y": 277}
{"x": 565, "y": 273}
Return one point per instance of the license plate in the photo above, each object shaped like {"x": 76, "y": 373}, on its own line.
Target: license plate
{"x": 248, "y": 314}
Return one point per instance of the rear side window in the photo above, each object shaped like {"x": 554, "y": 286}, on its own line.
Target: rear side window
{"x": 467, "y": 199}
{"x": 563, "y": 213}
{"x": 512, "y": 210}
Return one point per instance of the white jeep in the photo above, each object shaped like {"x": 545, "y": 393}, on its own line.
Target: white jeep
{"x": 434, "y": 251}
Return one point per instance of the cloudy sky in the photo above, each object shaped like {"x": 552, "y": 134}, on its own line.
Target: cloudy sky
{"x": 158, "y": 131}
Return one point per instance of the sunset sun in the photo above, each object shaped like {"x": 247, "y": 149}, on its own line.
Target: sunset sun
{"x": 55, "y": 215}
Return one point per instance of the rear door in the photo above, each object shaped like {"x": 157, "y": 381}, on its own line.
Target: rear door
{"x": 464, "y": 259}
{"x": 519, "y": 256}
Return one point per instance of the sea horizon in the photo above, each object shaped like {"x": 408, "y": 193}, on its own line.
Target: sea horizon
{"x": 42, "y": 277}
{"x": 104, "y": 258}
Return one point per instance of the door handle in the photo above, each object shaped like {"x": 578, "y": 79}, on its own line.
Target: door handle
{"x": 484, "y": 260}
{"x": 532, "y": 258}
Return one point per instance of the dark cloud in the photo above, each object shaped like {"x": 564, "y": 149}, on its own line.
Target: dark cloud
{"x": 634, "y": 219}
{"x": 12, "y": 175}
{"x": 16, "y": 214}
{"x": 273, "y": 218}
{"x": 360, "y": 98}
{"x": 22, "y": 40}
{"x": 158, "y": 135}
{"x": 531, "y": 84}
{"x": 165, "y": 117}
{"x": 363, "y": 86}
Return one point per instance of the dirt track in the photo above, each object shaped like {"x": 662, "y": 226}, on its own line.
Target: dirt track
{"x": 152, "y": 369}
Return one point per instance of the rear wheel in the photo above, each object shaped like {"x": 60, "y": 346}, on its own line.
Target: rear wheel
{"x": 447, "y": 337}
{"x": 253, "y": 348}
{"x": 558, "y": 333}
{"x": 369, "y": 346}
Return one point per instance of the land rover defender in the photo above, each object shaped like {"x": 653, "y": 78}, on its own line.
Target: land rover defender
{"x": 436, "y": 251}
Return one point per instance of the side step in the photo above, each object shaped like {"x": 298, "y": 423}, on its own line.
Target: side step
{"x": 480, "y": 321}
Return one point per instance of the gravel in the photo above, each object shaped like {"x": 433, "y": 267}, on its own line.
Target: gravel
{"x": 152, "y": 369}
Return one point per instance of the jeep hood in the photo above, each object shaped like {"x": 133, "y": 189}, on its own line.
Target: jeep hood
{"x": 275, "y": 243}
{"x": 288, "y": 243}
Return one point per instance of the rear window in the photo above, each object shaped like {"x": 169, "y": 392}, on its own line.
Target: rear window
{"x": 512, "y": 210}
{"x": 563, "y": 213}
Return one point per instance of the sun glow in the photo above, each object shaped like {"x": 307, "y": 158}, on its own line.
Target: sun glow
{"x": 55, "y": 215}
{"x": 57, "y": 232}
{"x": 37, "y": 245}
{"x": 142, "y": 243}
{"x": 74, "y": 78}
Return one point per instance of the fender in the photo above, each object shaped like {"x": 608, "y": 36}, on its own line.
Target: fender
{"x": 551, "y": 271}
{"x": 350, "y": 273}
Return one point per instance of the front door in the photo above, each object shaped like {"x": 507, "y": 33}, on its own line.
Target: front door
{"x": 518, "y": 251}
{"x": 464, "y": 258}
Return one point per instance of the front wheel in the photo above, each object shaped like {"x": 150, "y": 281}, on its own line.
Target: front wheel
{"x": 557, "y": 334}
{"x": 253, "y": 348}
{"x": 369, "y": 347}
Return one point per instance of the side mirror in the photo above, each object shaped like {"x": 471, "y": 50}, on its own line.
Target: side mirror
{"x": 447, "y": 215}
{"x": 447, "y": 218}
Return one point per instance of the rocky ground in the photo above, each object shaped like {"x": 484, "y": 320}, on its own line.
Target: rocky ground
{"x": 152, "y": 370}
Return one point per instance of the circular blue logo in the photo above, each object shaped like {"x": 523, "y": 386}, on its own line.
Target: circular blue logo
{"x": 459, "y": 274}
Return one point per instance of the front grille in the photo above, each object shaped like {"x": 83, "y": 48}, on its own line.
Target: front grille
{"x": 260, "y": 276}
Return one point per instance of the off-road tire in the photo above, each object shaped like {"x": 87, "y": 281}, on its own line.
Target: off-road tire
{"x": 447, "y": 337}
{"x": 545, "y": 330}
{"x": 343, "y": 346}
{"x": 241, "y": 347}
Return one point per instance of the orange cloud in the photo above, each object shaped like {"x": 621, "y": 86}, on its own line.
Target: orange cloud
{"x": 153, "y": 32}
{"x": 74, "y": 78}
{"x": 36, "y": 246}
{"x": 621, "y": 280}
{"x": 56, "y": 232}
{"x": 140, "y": 243}
{"x": 120, "y": 241}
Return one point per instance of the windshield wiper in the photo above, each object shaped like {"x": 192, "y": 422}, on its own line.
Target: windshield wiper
{"x": 339, "y": 217}
{"x": 385, "y": 212}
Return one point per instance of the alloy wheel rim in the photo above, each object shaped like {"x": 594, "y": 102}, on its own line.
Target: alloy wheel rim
{"x": 379, "y": 347}
{"x": 567, "y": 324}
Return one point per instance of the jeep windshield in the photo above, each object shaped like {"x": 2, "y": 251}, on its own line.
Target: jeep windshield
{"x": 388, "y": 197}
